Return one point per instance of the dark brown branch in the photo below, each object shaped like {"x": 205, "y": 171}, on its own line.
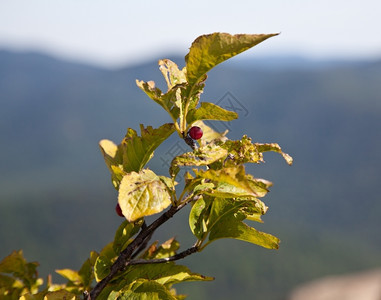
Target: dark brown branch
{"x": 124, "y": 258}
{"x": 144, "y": 244}
{"x": 191, "y": 143}
{"x": 177, "y": 256}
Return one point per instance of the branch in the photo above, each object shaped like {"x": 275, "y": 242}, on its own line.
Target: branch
{"x": 177, "y": 256}
{"x": 144, "y": 244}
{"x": 124, "y": 258}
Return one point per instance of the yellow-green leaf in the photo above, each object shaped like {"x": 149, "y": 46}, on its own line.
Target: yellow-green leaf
{"x": 143, "y": 290}
{"x": 138, "y": 150}
{"x": 275, "y": 148}
{"x": 166, "y": 249}
{"x": 123, "y": 234}
{"x": 166, "y": 273}
{"x": 113, "y": 159}
{"x": 60, "y": 295}
{"x": 242, "y": 151}
{"x": 209, "y": 50}
{"x": 134, "y": 151}
{"x": 171, "y": 72}
{"x": 142, "y": 194}
{"x": 202, "y": 156}
{"x": 104, "y": 262}
{"x": 168, "y": 101}
{"x": 70, "y": 275}
{"x": 233, "y": 176}
{"x": 226, "y": 221}
{"x": 198, "y": 216}
{"x": 102, "y": 268}
{"x": 210, "y": 111}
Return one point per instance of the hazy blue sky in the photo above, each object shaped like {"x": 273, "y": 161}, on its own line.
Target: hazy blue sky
{"x": 118, "y": 31}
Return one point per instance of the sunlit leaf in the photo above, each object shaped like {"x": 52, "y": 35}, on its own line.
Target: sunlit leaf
{"x": 165, "y": 273}
{"x": 202, "y": 156}
{"x": 226, "y": 218}
{"x": 60, "y": 295}
{"x": 166, "y": 249}
{"x": 142, "y": 194}
{"x": 138, "y": 150}
{"x": 210, "y": 111}
{"x": 143, "y": 290}
{"x": 198, "y": 216}
{"x": 242, "y": 151}
{"x": 168, "y": 101}
{"x": 123, "y": 234}
{"x": 232, "y": 176}
{"x": 70, "y": 275}
{"x": 104, "y": 262}
{"x": 171, "y": 72}
{"x": 134, "y": 151}
{"x": 275, "y": 148}
{"x": 86, "y": 271}
{"x": 209, "y": 50}
{"x": 114, "y": 161}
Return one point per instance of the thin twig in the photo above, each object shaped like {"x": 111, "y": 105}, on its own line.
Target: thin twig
{"x": 177, "y": 256}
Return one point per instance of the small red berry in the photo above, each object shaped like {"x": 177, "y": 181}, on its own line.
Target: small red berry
{"x": 195, "y": 133}
{"x": 119, "y": 210}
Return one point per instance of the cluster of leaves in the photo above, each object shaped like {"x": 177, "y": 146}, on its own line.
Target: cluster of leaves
{"x": 223, "y": 196}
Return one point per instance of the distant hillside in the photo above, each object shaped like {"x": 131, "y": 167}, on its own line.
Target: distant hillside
{"x": 56, "y": 199}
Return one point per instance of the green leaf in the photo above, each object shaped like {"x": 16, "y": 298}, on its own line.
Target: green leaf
{"x": 104, "y": 262}
{"x": 225, "y": 221}
{"x": 102, "y": 268}
{"x": 250, "y": 187}
{"x": 16, "y": 264}
{"x": 242, "y": 151}
{"x": 134, "y": 152}
{"x": 70, "y": 275}
{"x": 59, "y": 295}
{"x": 6, "y": 281}
{"x": 138, "y": 150}
{"x": 164, "y": 273}
{"x": 123, "y": 234}
{"x": 210, "y": 111}
{"x": 38, "y": 296}
{"x": 198, "y": 216}
{"x": 166, "y": 249}
{"x": 275, "y": 148}
{"x": 13, "y": 263}
{"x": 207, "y": 51}
{"x": 143, "y": 290}
{"x": 86, "y": 272}
{"x": 226, "y": 190}
{"x": 202, "y": 156}
{"x": 235, "y": 177}
{"x": 168, "y": 101}
{"x": 142, "y": 194}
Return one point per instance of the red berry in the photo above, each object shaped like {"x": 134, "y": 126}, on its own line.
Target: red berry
{"x": 119, "y": 210}
{"x": 195, "y": 133}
